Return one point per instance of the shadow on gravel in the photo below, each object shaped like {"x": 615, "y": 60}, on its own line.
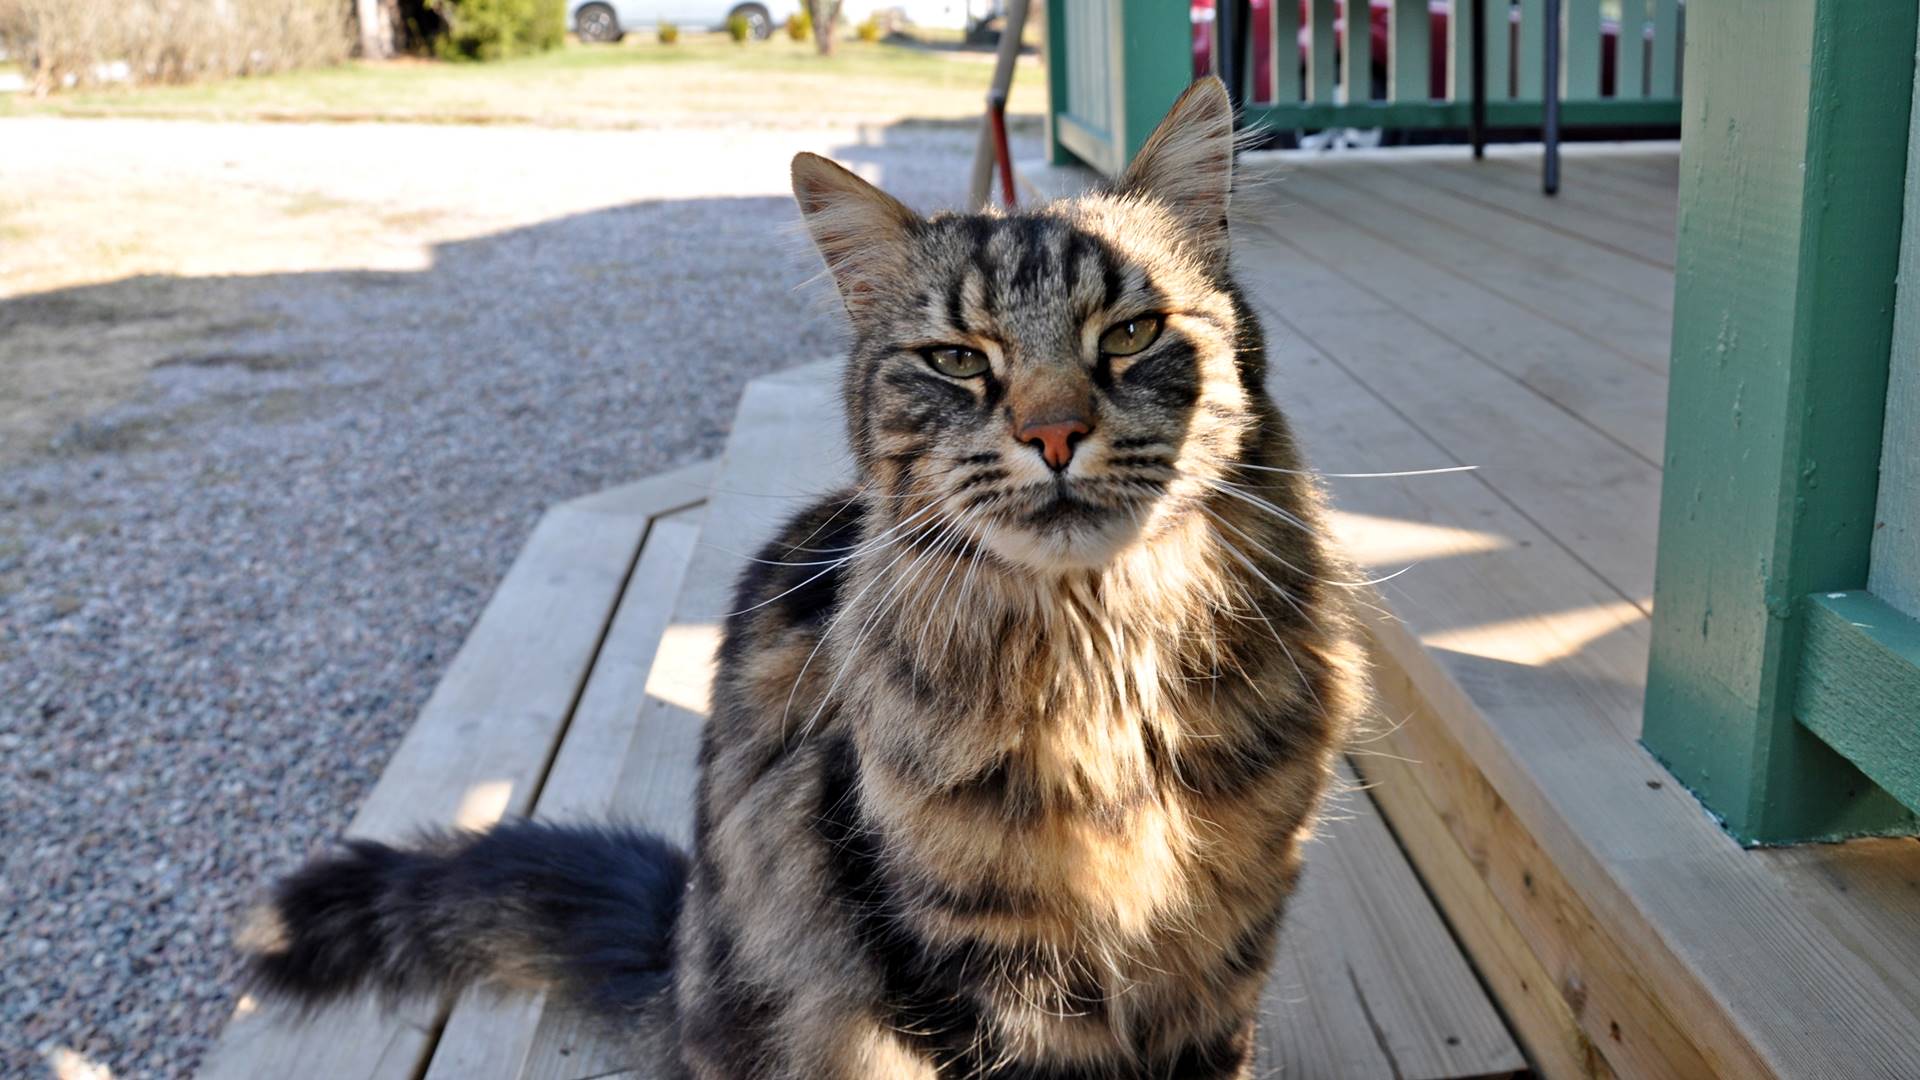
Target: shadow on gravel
{"x": 633, "y": 302}
{"x": 245, "y": 521}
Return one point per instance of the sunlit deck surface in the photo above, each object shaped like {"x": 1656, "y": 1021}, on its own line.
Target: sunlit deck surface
{"x": 1421, "y": 312}
{"x": 1426, "y": 311}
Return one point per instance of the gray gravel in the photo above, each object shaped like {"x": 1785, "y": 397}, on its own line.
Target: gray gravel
{"x": 224, "y": 597}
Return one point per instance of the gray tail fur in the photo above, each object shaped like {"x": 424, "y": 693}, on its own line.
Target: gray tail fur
{"x": 585, "y": 911}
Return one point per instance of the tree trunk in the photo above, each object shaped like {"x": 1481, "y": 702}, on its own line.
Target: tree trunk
{"x": 826, "y": 14}
{"x": 384, "y": 29}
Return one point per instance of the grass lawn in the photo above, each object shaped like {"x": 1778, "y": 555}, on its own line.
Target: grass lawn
{"x": 638, "y": 82}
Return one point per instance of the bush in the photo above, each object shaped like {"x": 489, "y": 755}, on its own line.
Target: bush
{"x": 668, "y": 32}
{"x": 74, "y": 43}
{"x": 870, "y": 30}
{"x": 800, "y": 26}
{"x": 494, "y": 29}
{"x": 739, "y": 29}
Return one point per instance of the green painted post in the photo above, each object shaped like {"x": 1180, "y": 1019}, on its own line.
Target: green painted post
{"x": 1460, "y": 50}
{"x": 1664, "y": 72}
{"x": 1408, "y": 73}
{"x": 1498, "y": 42}
{"x": 1580, "y": 50}
{"x": 1531, "y": 59}
{"x": 1630, "y": 57}
{"x": 1057, "y": 82}
{"x": 1156, "y": 64}
{"x": 1286, "y": 57}
{"x": 1320, "y": 51}
{"x": 1795, "y": 133}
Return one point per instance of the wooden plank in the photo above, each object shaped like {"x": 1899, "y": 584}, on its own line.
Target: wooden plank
{"x": 1528, "y": 994}
{"x": 1630, "y": 58}
{"x": 1530, "y": 53}
{"x": 1368, "y": 981}
{"x": 1061, "y": 81}
{"x": 1356, "y": 64}
{"x": 1643, "y": 217}
{"x": 1284, "y": 68}
{"x": 1605, "y": 194}
{"x": 1576, "y": 220}
{"x": 778, "y": 445}
{"x": 1498, "y": 41}
{"x": 1858, "y": 685}
{"x": 654, "y": 497}
{"x": 1519, "y": 294}
{"x": 476, "y": 753}
{"x": 1895, "y": 573}
{"x": 1580, "y": 50}
{"x": 1147, "y": 75}
{"x": 1594, "y": 495}
{"x": 1344, "y": 425}
{"x": 1604, "y": 320}
{"x": 1664, "y": 67}
{"x": 361, "y": 1039}
{"x": 489, "y": 1034}
{"x": 1409, "y": 75}
{"x": 1535, "y": 674}
{"x": 1320, "y": 51}
{"x": 1522, "y": 240}
{"x": 1655, "y": 186}
{"x": 1460, "y": 50}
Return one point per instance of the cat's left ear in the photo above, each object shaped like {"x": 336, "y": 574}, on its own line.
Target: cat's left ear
{"x": 1187, "y": 166}
{"x": 860, "y": 230}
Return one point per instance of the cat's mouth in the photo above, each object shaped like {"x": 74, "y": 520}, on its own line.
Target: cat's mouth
{"x": 1059, "y": 505}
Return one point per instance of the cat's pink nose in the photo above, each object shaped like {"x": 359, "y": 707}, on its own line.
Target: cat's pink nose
{"x": 1054, "y": 439}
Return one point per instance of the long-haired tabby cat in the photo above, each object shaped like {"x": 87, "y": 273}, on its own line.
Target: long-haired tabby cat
{"x": 1013, "y": 745}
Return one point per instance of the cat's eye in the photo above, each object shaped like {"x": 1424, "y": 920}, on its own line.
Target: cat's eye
{"x": 1131, "y": 336}
{"x": 957, "y": 361}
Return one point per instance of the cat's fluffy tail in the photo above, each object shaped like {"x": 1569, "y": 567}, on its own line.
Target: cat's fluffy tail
{"x": 586, "y": 911}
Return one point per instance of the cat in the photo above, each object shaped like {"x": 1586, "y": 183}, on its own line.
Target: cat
{"x": 1013, "y": 745}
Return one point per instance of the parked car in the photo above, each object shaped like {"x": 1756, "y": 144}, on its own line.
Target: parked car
{"x": 609, "y": 20}
{"x": 1377, "y": 11}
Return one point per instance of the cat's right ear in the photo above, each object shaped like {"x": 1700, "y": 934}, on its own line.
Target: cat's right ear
{"x": 860, "y": 230}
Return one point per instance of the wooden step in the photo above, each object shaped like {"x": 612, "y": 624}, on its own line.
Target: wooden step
{"x": 1369, "y": 981}
{"x": 483, "y": 743}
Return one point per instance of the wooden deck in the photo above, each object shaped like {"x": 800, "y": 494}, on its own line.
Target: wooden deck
{"x": 1424, "y": 311}
{"x": 1421, "y": 311}
{"x": 581, "y": 694}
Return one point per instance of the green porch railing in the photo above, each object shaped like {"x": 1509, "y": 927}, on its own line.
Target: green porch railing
{"x": 1116, "y": 65}
{"x": 1784, "y": 684}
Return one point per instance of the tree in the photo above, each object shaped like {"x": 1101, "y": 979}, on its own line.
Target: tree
{"x": 825, "y": 15}
{"x": 389, "y": 28}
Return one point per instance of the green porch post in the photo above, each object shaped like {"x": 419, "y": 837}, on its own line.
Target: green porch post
{"x": 1156, "y": 64}
{"x": 1057, "y": 81}
{"x": 1134, "y": 58}
{"x": 1795, "y": 128}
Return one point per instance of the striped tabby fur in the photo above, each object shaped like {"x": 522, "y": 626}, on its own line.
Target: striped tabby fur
{"x": 1009, "y": 762}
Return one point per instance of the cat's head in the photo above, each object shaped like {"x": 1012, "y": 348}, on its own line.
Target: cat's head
{"x": 1053, "y": 383}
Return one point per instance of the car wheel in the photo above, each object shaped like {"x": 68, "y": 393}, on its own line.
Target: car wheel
{"x": 759, "y": 20}
{"x": 597, "y": 22}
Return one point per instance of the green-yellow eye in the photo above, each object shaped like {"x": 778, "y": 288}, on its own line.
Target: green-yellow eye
{"x": 957, "y": 361}
{"x": 1131, "y": 336}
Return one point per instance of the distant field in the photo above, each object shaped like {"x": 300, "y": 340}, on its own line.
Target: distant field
{"x": 637, "y": 83}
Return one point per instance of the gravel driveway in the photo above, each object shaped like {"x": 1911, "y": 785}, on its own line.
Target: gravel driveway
{"x": 252, "y": 495}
